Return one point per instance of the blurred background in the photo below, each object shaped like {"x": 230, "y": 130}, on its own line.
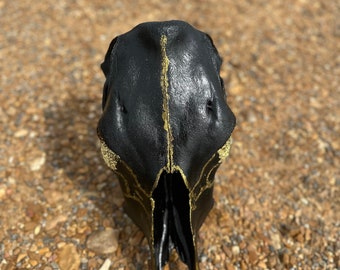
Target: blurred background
{"x": 277, "y": 195}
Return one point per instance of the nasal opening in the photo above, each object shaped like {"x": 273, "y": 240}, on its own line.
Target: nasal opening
{"x": 171, "y": 220}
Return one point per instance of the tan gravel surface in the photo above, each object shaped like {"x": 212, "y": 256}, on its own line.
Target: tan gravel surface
{"x": 277, "y": 196}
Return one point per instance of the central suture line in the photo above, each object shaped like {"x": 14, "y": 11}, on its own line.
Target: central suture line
{"x": 166, "y": 113}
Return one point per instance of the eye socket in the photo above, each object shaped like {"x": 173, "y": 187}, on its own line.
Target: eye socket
{"x": 210, "y": 105}
{"x": 122, "y": 108}
{"x": 120, "y": 104}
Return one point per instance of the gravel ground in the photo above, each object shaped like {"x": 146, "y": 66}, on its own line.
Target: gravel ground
{"x": 277, "y": 196}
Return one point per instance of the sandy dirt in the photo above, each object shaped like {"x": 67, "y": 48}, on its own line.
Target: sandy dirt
{"x": 277, "y": 195}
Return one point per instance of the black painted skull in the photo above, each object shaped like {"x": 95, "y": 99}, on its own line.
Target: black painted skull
{"x": 164, "y": 130}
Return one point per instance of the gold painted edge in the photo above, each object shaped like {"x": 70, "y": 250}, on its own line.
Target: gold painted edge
{"x": 224, "y": 151}
{"x": 110, "y": 157}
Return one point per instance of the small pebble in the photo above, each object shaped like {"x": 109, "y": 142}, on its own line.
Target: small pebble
{"x": 21, "y": 133}
{"x": 37, "y": 230}
{"x": 235, "y": 250}
{"x": 21, "y": 257}
{"x": 103, "y": 242}
{"x": 37, "y": 163}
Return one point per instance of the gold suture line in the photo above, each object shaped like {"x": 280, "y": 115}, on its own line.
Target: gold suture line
{"x": 165, "y": 114}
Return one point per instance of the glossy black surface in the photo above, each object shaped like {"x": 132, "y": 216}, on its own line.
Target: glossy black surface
{"x": 165, "y": 116}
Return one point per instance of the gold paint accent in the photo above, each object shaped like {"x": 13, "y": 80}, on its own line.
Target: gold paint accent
{"x": 207, "y": 185}
{"x": 166, "y": 114}
{"x": 152, "y": 225}
{"x": 224, "y": 151}
{"x": 139, "y": 194}
{"x": 110, "y": 157}
{"x": 136, "y": 183}
{"x": 202, "y": 171}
